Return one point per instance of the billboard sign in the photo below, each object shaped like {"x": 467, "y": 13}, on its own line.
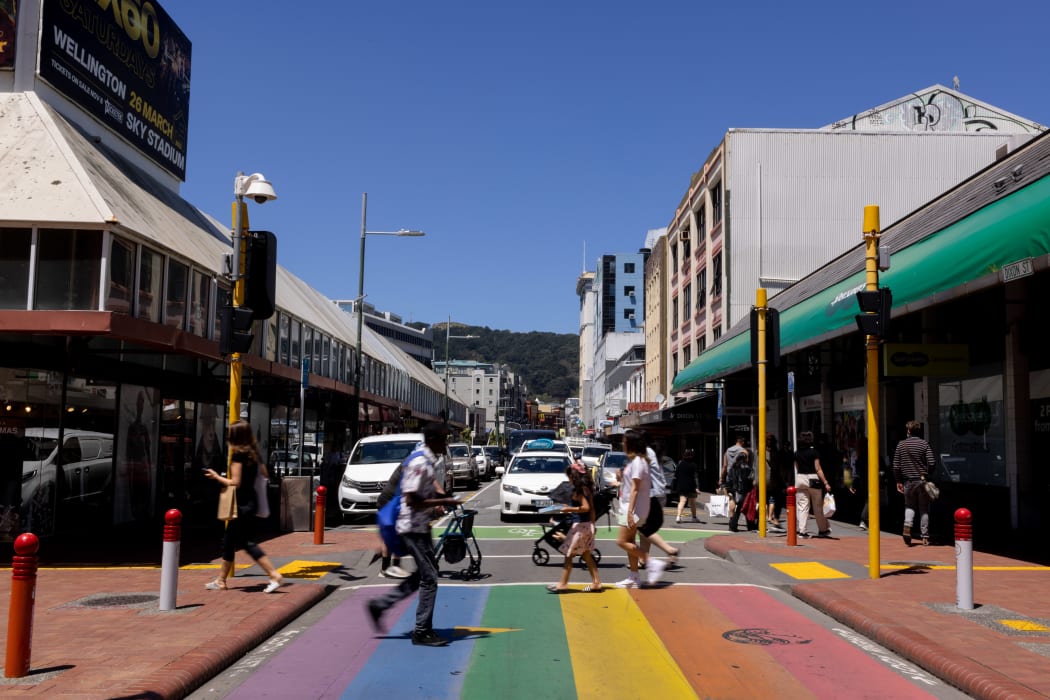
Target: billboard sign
{"x": 127, "y": 64}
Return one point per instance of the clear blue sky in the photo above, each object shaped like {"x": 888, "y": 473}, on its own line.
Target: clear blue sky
{"x": 519, "y": 134}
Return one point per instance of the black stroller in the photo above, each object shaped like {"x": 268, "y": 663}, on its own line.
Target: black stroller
{"x": 457, "y": 542}
{"x": 554, "y": 532}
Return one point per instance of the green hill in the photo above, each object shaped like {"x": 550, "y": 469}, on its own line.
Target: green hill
{"x": 548, "y": 363}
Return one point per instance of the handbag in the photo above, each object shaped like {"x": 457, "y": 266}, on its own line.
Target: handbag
{"x": 228, "y": 503}
{"x": 386, "y": 518}
{"x": 262, "y": 498}
{"x": 932, "y": 490}
{"x": 829, "y": 505}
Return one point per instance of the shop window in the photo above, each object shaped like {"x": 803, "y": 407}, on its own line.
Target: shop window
{"x": 308, "y": 343}
{"x": 151, "y": 276}
{"x": 222, "y": 297}
{"x": 14, "y": 267}
{"x": 295, "y": 338}
{"x": 121, "y": 276}
{"x": 271, "y": 338}
{"x": 175, "y": 294}
{"x": 68, "y": 264}
{"x": 199, "y": 303}
{"x": 326, "y": 353}
{"x": 283, "y": 346}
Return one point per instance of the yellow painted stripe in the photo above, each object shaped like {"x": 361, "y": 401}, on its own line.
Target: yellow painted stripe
{"x": 1024, "y": 625}
{"x": 808, "y": 570}
{"x": 615, "y": 653}
{"x": 308, "y": 569}
{"x": 947, "y": 567}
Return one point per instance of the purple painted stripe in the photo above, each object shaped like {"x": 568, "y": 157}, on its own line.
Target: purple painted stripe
{"x": 325, "y": 658}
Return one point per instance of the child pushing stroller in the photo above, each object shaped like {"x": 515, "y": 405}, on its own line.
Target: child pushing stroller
{"x": 578, "y": 539}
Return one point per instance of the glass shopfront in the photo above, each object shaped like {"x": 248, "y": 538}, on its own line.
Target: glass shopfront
{"x": 972, "y": 431}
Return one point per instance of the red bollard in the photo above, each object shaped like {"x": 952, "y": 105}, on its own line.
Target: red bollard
{"x": 791, "y": 517}
{"x": 319, "y": 515}
{"x": 20, "y": 613}
{"x": 963, "y": 559}
{"x": 169, "y": 562}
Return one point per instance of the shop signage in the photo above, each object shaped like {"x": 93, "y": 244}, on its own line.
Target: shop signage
{"x": 1016, "y": 270}
{"x": 926, "y": 359}
{"x": 127, "y": 64}
{"x": 642, "y": 406}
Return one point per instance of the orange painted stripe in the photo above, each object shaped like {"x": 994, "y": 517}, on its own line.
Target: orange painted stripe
{"x": 715, "y": 667}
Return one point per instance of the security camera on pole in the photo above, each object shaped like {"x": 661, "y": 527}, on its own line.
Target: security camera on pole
{"x": 253, "y": 271}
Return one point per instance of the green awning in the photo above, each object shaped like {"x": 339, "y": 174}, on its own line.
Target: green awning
{"x": 1006, "y": 231}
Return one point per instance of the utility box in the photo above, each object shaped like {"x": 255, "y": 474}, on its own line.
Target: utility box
{"x": 296, "y": 504}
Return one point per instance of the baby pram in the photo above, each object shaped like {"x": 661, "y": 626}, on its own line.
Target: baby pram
{"x": 457, "y": 542}
{"x": 554, "y": 532}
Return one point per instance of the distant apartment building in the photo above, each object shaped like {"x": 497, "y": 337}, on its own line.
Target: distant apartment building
{"x": 418, "y": 344}
{"x": 492, "y": 392}
{"x": 619, "y": 283}
{"x": 585, "y": 292}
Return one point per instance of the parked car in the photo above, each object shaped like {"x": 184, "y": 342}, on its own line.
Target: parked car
{"x": 370, "y": 465}
{"x": 286, "y": 463}
{"x": 464, "y": 468}
{"x": 495, "y": 455}
{"x": 482, "y": 460}
{"x": 533, "y": 472}
{"x": 593, "y": 452}
{"x": 84, "y": 476}
{"x": 608, "y": 468}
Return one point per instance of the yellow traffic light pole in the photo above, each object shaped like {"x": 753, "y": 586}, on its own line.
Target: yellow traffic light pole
{"x": 871, "y": 270}
{"x": 760, "y": 456}
{"x": 240, "y": 226}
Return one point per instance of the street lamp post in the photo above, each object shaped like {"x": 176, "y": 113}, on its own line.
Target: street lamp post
{"x": 448, "y": 329}
{"x": 359, "y": 302}
{"x": 258, "y": 188}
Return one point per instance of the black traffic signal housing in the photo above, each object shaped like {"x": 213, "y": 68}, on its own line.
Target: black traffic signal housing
{"x": 875, "y": 306}
{"x": 772, "y": 337}
{"x": 235, "y": 328}
{"x": 260, "y": 274}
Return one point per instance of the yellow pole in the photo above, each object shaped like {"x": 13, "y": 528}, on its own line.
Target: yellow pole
{"x": 871, "y": 269}
{"x": 760, "y": 456}
{"x": 240, "y": 226}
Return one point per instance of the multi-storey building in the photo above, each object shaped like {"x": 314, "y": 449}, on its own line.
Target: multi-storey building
{"x": 588, "y": 304}
{"x": 417, "y": 343}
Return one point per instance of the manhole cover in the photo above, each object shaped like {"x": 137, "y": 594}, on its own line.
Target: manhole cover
{"x": 116, "y": 601}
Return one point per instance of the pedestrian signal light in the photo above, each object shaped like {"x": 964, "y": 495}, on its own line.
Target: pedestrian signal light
{"x": 875, "y": 306}
{"x": 260, "y": 274}
{"x": 235, "y": 329}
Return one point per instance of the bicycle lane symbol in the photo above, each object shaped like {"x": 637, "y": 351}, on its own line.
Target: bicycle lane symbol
{"x": 524, "y": 532}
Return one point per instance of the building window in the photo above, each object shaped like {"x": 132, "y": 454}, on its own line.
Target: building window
{"x": 701, "y": 290}
{"x": 151, "y": 276}
{"x": 628, "y": 314}
{"x": 701, "y": 220}
{"x": 326, "y": 354}
{"x": 687, "y": 297}
{"x": 674, "y": 364}
{"x": 686, "y": 355}
{"x": 674, "y": 259}
{"x": 295, "y": 338}
{"x": 701, "y": 345}
{"x": 674, "y": 313}
{"x": 628, "y": 291}
{"x": 121, "y": 276}
{"x": 716, "y": 203}
{"x": 199, "y": 298}
{"x": 14, "y": 267}
{"x": 175, "y": 294}
{"x": 716, "y": 274}
{"x": 222, "y": 298}
{"x": 68, "y": 264}
{"x": 686, "y": 249}
{"x": 628, "y": 268}
{"x": 283, "y": 346}
{"x": 717, "y": 332}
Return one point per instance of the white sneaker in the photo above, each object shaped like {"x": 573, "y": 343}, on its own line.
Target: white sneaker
{"x": 655, "y": 568}
{"x": 678, "y": 520}
{"x": 863, "y": 525}
{"x": 629, "y": 582}
{"x": 394, "y": 572}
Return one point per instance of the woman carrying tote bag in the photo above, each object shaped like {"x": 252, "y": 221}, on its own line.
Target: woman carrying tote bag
{"x": 240, "y": 531}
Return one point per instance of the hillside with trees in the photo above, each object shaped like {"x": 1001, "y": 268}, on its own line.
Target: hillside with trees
{"x": 548, "y": 363}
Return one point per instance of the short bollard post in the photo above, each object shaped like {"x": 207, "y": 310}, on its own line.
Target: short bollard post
{"x": 963, "y": 559}
{"x": 20, "y": 612}
{"x": 319, "y": 515}
{"x": 169, "y": 561}
{"x": 791, "y": 516}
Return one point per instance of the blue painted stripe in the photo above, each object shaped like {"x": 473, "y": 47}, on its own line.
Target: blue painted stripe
{"x": 398, "y": 669}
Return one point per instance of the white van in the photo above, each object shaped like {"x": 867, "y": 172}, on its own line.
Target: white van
{"x": 370, "y": 465}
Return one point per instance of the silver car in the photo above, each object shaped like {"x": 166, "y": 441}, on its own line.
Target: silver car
{"x": 464, "y": 468}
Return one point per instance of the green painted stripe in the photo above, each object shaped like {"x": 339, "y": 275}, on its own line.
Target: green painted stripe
{"x": 529, "y": 663}
{"x": 530, "y": 531}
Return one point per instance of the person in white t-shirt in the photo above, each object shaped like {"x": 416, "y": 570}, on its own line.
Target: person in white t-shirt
{"x": 634, "y": 503}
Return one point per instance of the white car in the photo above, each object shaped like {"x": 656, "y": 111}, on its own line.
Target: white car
{"x": 481, "y": 459}
{"x": 592, "y": 453}
{"x": 530, "y": 477}
{"x": 370, "y": 465}
{"x": 86, "y": 473}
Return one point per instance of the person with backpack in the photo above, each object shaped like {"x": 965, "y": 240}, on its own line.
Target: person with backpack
{"x": 738, "y": 477}
{"x": 390, "y": 566}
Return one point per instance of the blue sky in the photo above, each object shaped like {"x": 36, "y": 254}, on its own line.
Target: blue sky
{"x": 519, "y": 135}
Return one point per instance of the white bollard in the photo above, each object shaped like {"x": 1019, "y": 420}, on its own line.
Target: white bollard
{"x": 169, "y": 562}
{"x": 963, "y": 559}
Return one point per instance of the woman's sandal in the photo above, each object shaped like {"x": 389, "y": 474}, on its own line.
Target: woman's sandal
{"x": 215, "y": 585}
{"x": 553, "y": 588}
{"x": 593, "y": 588}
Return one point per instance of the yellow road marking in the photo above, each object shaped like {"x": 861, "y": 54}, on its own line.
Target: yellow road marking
{"x": 1024, "y": 625}
{"x": 646, "y": 670}
{"x": 308, "y": 569}
{"x": 466, "y": 631}
{"x": 948, "y": 567}
{"x": 808, "y": 570}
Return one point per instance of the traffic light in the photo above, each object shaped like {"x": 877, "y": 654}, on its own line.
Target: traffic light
{"x": 260, "y": 274}
{"x": 875, "y": 305}
{"x": 235, "y": 328}
{"x": 772, "y": 337}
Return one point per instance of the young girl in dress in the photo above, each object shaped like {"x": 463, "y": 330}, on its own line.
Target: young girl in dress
{"x": 579, "y": 541}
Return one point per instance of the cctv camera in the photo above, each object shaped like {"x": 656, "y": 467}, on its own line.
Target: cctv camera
{"x": 260, "y": 190}
{"x": 261, "y": 199}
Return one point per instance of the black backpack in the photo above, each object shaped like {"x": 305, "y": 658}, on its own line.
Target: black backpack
{"x": 741, "y": 474}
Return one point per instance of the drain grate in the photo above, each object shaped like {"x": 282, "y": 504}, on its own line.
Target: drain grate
{"x": 118, "y": 600}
